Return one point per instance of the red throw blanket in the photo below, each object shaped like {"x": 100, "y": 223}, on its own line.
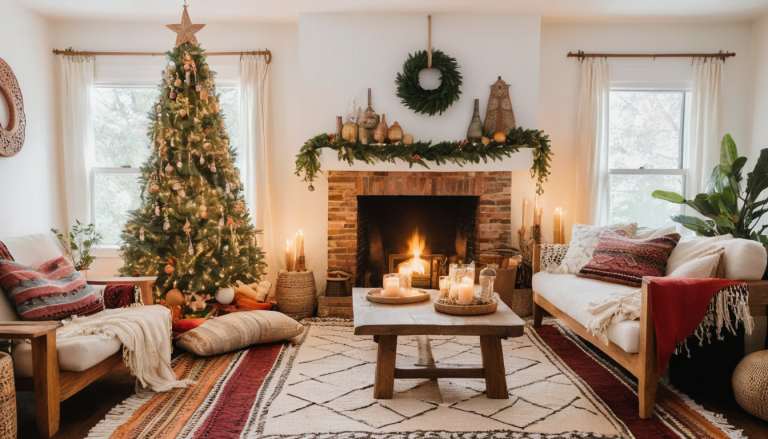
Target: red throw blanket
{"x": 680, "y": 305}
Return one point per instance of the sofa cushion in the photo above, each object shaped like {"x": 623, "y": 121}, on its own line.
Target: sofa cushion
{"x": 584, "y": 239}
{"x": 745, "y": 260}
{"x": 620, "y": 259}
{"x": 571, "y": 294}
{"x": 648, "y": 233}
{"x": 53, "y": 291}
{"x": 75, "y": 354}
{"x": 708, "y": 265}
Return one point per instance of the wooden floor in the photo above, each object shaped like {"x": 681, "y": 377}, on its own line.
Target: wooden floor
{"x": 82, "y": 411}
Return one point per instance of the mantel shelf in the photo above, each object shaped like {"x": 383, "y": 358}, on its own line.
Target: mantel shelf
{"x": 519, "y": 161}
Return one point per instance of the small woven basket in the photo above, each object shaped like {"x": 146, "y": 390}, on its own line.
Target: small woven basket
{"x": 522, "y": 302}
{"x": 750, "y": 384}
{"x": 296, "y": 293}
{"x": 8, "y": 427}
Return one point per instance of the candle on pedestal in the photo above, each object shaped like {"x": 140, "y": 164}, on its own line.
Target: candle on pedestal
{"x": 391, "y": 285}
{"x": 466, "y": 290}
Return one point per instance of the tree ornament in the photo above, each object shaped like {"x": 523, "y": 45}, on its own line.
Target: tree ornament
{"x": 141, "y": 234}
{"x": 202, "y": 160}
{"x": 206, "y": 145}
{"x": 198, "y": 88}
{"x": 166, "y": 224}
{"x": 177, "y": 82}
{"x": 207, "y": 131}
{"x": 225, "y": 133}
{"x": 183, "y": 113}
{"x": 225, "y": 248}
{"x": 169, "y": 269}
{"x": 499, "y": 137}
{"x": 187, "y": 226}
{"x": 230, "y": 221}
{"x": 213, "y": 168}
{"x": 225, "y": 296}
{"x": 179, "y": 164}
{"x": 172, "y": 95}
{"x": 415, "y": 97}
{"x": 221, "y": 222}
{"x": 204, "y": 212}
{"x": 157, "y": 210}
{"x": 185, "y": 31}
{"x": 182, "y": 193}
{"x": 154, "y": 189}
{"x": 168, "y": 168}
{"x": 174, "y": 297}
{"x": 159, "y": 109}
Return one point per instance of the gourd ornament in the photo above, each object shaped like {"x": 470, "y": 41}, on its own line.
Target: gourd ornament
{"x": 382, "y": 130}
{"x": 395, "y": 133}
{"x": 349, "y": 132}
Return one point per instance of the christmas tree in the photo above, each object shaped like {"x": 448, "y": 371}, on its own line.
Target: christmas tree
{"x": 193, "y": 230}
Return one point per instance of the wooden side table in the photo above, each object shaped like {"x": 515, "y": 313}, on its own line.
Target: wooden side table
{"x": 145, "y": 283}
{"x": 45, "y": 369}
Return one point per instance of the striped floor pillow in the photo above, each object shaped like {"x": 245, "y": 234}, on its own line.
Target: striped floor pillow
{"x": 53, "y": 291}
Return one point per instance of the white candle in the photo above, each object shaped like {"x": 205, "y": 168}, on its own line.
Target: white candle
{"x": 562, "y": 226}
{"x": 466, "y": 290}
{"x": 288, "y": 254}
{"x": 301, "y": 243}
{"x": 454, "y": 293}
{"x": 391, "y": 287}
{"x": 525, "y": 210}
{"x": 406, "y": 277}
{"x": 556, "y": 226}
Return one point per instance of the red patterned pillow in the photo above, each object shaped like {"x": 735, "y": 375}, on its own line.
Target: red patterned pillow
{"x": 623, "y": 260}
{"x": 53, "y": 291}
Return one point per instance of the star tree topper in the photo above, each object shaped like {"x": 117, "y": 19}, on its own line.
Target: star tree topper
{"x": 185, "y": 31}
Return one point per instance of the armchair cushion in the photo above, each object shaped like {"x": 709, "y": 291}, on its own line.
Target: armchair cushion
{"x": 75, "y": 354}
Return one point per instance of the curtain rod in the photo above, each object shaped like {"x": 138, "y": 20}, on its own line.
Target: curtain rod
{"x": 266, "y": 53}
{"x": 581, "y": 55}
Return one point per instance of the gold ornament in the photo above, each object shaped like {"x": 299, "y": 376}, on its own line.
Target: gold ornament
{"x": 185, "y": 31}
{"x": 154, "y": 189}
{"x": 499, "y": 137}
{"x": 485, "y": 140}
{"x": 349, "y": 132}
{"x": 174, "y": 297}
{"x": 407, "y": 139}
{"x": 169, "y": 269}
{"x": 382, "y": 130}
{"x": 395, "y": 133}
{"x": 183, "y": 113}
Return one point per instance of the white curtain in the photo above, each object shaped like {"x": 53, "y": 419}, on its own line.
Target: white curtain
{"x": 77, "y": 85}
{"x": 255, "y": 135}
{"x": 703, "y": 151}
{"x": 592, "y": 191}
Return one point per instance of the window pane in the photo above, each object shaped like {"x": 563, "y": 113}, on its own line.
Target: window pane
{"x": 230, "y": 107}
{"x": 115, "y": 194}
{"x": 645, "y": 129}
{"x": 120, "y": 125}
{"x": 631, "y": 199}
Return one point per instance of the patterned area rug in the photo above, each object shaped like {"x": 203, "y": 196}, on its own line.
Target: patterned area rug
{"x": 322, "y": 387}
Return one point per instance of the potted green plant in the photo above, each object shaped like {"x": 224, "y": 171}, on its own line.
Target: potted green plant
{"x": 79, "y": 244}
{"x": 725, "y": 207}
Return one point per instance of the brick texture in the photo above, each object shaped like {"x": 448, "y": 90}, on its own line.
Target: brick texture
{"x": 492, "y": 222}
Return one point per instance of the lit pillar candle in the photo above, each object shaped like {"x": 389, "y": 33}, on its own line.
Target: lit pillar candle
{"x": 391, "y": 285}
{"x": 453, "y": 294}
{"x": 406, "y": 277}
{"x": 466, "y": 290}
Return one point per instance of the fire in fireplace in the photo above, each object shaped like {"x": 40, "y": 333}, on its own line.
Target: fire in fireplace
{"x": 427, "y": 232}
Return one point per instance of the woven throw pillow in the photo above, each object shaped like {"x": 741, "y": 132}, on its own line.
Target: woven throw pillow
{"x": 239, "y": 330}
{"x": 707, "y": 265}
{"x": 53, "y": 291}
{"x": 623, "y": 260}
{"x": 584, "y": 239}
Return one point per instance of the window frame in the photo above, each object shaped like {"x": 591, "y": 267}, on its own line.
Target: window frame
{"x": 681, "y": 170}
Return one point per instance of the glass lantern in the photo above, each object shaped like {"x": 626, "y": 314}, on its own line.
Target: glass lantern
{"x": 487, "y": 278}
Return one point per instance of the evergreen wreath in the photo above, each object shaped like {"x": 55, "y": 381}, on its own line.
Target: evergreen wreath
{"x": 458, "y": 152}
{"x": 415, "y": 97}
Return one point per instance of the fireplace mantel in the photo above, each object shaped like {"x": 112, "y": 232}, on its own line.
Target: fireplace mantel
{"x": 519, "y": 161}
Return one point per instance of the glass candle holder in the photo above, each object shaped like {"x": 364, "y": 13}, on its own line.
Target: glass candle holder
{"x": 406, "y": 278}
{"x": 445, "y": 286}
{"x": 487, "y": 278}
{"x": 391, "y": 285}
{"x": 466, "y": 290}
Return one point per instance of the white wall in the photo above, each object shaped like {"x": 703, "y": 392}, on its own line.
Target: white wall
{"x": 30, "y": 194}
{"x": 282, "y": 40}
{"x": 559, "y": 84}
{"x": 760, "y": 93}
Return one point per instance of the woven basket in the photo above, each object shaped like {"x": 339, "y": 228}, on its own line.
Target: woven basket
{"x": 522, "y": 302}
{"x": 750, "y": 384}
{"x": 7, "y": 398}
{"x": 296, "y": 293}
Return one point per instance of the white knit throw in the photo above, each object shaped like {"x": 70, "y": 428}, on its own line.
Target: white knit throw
{"x": 145, "y": 333}
{"x": 727, "y": 309}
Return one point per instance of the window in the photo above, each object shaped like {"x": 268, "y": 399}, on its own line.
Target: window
{"x": 121, "y": 146}
{"x": 646, "y": 139}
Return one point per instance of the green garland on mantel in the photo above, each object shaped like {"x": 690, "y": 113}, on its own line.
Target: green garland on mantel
{"x": 457, "y": 152}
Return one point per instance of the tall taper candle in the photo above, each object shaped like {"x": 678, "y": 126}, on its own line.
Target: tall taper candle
{"x": 288, "y": 254}
{"x": 525, "y": 210}
{"x": 301, "y": 243}
{"x": 556, "y": 226}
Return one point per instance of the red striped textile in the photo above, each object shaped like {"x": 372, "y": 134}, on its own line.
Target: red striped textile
{"x": 4, "y": 253}
{"x": 53, "y": 291}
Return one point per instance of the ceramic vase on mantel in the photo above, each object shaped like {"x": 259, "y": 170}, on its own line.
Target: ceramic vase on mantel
{"x": 395, "y": 133}
{"x": 475, "y": 130}
{"x": 382, "y": 130}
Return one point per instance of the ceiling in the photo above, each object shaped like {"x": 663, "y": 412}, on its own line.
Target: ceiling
{"x": 209, "y": 11}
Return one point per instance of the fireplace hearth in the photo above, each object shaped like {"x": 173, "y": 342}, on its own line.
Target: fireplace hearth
{"x": 378, "y": 220}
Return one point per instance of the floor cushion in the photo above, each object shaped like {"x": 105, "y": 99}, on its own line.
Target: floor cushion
{"x": 75, "y": 354}
{"x": 584, "y": 239}
{"x": 571, "y": 294}
{"x": 239, "y": 330}
{"x": 623, "y": 260}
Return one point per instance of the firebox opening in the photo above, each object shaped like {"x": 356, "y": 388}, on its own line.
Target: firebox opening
{"x": 386, "y": 224}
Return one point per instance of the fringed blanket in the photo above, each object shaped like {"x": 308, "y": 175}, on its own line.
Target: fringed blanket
{"x": 145, "y": 333}
{"x": 681, "y": 307}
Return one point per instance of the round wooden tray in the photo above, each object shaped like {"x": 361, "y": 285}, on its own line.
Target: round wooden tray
{"x": 465, "y": 310}
{"x": 416, "y": 296}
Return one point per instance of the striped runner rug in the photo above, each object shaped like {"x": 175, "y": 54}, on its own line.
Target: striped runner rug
{"x": 322, "y": 387}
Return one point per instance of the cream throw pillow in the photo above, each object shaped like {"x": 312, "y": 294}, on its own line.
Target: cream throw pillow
{"x": 705, "y": 265}
{"x": 584, "y": 239}
{"x": 239, "y": 330}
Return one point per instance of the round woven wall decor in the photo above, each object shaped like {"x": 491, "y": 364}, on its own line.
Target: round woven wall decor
{"x": 11, "y": 136}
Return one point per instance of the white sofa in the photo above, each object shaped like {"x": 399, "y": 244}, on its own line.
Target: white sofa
{"x": 80, "y": 360}
{"x": 567, "y": 296}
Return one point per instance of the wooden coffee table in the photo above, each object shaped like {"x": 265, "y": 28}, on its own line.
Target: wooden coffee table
{"x": 386, "y": 322}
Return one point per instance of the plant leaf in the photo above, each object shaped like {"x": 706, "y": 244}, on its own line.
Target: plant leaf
{"x": 672, "y": 197}
{"x": 737, "y": 166}
{"x": 696, "y": 224}
{"x": 757, "y": 180}
{"x": 728, "y": 151}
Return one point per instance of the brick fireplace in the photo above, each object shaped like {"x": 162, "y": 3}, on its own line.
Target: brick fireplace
{"x": 481, "y": 215}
